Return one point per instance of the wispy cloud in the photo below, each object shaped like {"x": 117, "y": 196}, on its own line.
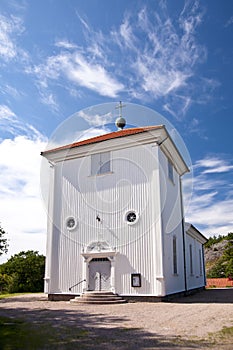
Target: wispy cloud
{"x": 213, "y": 165}
{"x": 96, "y": 119}
{"x": 12, "y": 124}
{"x": 229, "y": 22}
{"x": 6, "y": 113}
{"x": 48, "y": 98}
{"x": 79, "y": 70}
{"x": 211, "y": 206}
{"x": 7, "y": 89}
{"x": 65, "y": 44}
{"x": 10, "y": 28}
{"x": 161, "y": 66}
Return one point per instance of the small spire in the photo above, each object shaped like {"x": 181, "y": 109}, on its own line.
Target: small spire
{"x": 120, "y": 121}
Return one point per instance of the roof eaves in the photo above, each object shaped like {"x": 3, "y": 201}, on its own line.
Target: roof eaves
{"x": 105, "y": 137}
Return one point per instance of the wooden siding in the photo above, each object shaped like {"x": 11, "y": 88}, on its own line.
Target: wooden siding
{"x": 130, "y": 185}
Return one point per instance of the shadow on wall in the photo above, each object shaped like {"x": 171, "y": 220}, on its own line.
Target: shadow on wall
{"x": 124, "y": 264}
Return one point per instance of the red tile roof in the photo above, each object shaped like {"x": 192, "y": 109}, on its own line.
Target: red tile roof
{"x": 112, "y": 135}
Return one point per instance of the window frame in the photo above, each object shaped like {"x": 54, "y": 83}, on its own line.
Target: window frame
{"x": 99, "y": 165}
{"x": 170, "y": 170}
{"x": 201, "y": 262}
{"x": 191, "y": 259}
{"x": 174, "y": 255}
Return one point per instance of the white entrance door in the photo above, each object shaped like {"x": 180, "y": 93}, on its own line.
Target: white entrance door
{"x": 99, "y": 274}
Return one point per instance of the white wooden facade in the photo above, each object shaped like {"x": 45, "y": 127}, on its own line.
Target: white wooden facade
{"x": 91, "y": 243}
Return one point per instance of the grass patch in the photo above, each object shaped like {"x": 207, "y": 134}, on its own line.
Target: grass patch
{"x": 225, "y": 336}
{"x": 11, "y": 295}
{"x": 17, "y": 334}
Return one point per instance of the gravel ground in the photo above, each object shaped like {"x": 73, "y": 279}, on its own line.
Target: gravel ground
{"x": 134, "y": 325}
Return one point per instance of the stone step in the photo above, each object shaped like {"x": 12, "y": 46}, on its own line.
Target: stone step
{"x": 99, "y": 293}
{"x": 83, "y": 301}
{"x": 96, "y": 297}
{"x": 85, "y": 297}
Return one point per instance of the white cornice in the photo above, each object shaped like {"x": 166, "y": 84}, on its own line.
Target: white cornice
{"x": 194, "y": 233}
{"x": 158, "y": 136}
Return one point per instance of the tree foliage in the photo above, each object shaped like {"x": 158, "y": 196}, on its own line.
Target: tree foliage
{"x": 25, "y": 273}
{"x": 224, "y": 265}
{"x": 3, "y": 242}
{"x": 215, "y": 239}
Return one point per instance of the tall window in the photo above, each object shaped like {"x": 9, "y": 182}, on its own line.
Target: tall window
{"x": 200, "y": 263}
{"x": 191, "y": 258}
{"x": 170, "y": 171}
{"x": 174, "y": 248}
{"x": 100, "y": 163}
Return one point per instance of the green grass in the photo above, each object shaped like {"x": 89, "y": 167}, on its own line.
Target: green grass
{"x": 17, "y": 334}
{"x": 224, "y": 336}
{"x": 9, "y": 295}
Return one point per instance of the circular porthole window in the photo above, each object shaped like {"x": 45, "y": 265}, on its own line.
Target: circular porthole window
{"x": 71, "y": 223}
{"x": 131, "y": 217}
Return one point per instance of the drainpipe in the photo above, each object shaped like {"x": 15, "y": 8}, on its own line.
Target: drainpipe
{"x": 183, "y": 235}
{"x": 203, "y": 264}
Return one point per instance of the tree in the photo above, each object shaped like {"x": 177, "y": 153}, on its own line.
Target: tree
{"x": 26, "y": 270}
{"x": 3, "y": 242}
{"x": 223, "y": 267}
{"x": 228, "y": 256}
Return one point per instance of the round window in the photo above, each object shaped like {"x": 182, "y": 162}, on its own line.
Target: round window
{"x": 71, "y": 223}
{"x": 131, "y": 217}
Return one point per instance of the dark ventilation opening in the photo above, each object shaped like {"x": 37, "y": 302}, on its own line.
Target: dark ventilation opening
{"x": 100, "y": 259}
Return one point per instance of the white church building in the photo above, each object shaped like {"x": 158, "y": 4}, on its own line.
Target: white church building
{"x": 115, "y": 218}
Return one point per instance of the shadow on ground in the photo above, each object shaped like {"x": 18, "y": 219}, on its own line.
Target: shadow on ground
{"x": 25, "y": 328}
{"x": 219, "y": 296}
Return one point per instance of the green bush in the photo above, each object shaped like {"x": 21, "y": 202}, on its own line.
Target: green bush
{"x": 24, "y": 271}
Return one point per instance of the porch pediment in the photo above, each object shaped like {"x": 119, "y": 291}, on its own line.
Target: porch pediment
{"x": 98, "y": 249}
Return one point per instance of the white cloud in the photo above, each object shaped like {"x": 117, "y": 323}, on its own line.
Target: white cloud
{"x": 10, "y": 90}
{"x": 65, "y": 44}
{"x": 10, "y": 27}
{"x": 93, "y": 132}
{"x": 211, "y": 206}
{"x": 83, "y": 21}
{"x": 171, "y": 54}
{"x": 127, "y": 35}
{"x": 49, "y": 99}
{"x": 13, "y": 125}
{"x": 149, "y": 55}
{"x": 96, "y": 119}
{"x": 22, "y": 212}
{"x": 79, "y": 70}
{"x": 6, "y": 113}
{"x": 213, "y": 165}
{"x": 211, "y": 214}
{"x": 162, "y": 65}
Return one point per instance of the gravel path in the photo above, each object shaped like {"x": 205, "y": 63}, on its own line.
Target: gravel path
{"x": 192, "y": 317}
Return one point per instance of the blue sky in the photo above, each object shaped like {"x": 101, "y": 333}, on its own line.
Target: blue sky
{"x": 59, "y": 57}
